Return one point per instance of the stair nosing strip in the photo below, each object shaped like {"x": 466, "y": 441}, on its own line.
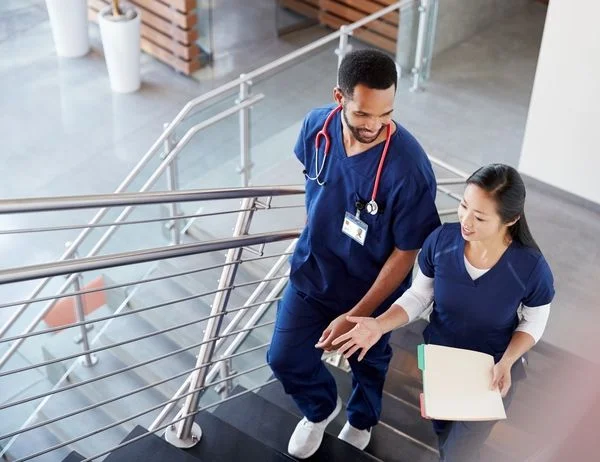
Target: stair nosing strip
{"x": 396, "y": 398}
{"x": 408, "y": 437}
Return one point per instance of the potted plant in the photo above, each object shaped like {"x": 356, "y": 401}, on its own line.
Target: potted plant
{"x": 120, "y": 25}
{"x": 69, "y": 24}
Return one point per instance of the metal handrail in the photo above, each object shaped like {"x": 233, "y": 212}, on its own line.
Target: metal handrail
{"x": 142, "y": 310}
{"x": 53, "y": 392}
{"x": 95, "y": 263}
{"x": 27, "y": 273}
{"x": 64, "y": 203}
{"x": 124, "y": 395}
{"x": 124, "y": 214}
{"x": 179, "y": 419}
{"x": 134, "y": 222}
{"x": 135, "y": 416}
{"x": 144, "y": 281}
{"x": 124, "y": 342}
{"x": 53, "y": 204}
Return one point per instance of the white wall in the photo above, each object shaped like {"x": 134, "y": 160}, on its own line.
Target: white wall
{"x": 562, "y": 137}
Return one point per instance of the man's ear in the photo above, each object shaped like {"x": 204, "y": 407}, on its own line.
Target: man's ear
{"x": 338, "y": 95}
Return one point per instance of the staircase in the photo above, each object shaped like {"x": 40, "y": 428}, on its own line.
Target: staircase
{"x": 256, "y": 425}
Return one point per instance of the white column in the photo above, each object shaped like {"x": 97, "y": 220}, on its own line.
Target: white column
{"x": 562, "y": 137}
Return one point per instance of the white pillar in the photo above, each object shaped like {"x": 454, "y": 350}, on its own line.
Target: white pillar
{"x": 562, "y": 137}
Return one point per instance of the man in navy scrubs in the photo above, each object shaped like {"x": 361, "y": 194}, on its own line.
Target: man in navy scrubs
{"x": 370, "y": 201}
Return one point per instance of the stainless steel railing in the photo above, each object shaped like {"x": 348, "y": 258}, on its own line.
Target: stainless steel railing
{"x": 241, "y": 240}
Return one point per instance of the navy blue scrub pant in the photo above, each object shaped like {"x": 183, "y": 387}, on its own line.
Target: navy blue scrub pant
{"x": 297, "y": 363}
{"x": 461, "y": 441}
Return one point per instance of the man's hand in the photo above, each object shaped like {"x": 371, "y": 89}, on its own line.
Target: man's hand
{"x": 337, "y": 327}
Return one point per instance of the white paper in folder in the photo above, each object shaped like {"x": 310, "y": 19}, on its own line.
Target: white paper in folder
{"x": 457, "y": 385}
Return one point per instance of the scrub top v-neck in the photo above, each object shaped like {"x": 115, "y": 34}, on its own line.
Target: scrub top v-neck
{"x": 480, "y": 314}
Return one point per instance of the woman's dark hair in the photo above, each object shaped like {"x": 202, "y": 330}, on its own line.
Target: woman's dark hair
{"x": 371, "y": 68}
{"x": 506, "y": 187}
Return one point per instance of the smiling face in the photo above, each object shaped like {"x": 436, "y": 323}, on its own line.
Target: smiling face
{"x": 367, "y": 112}
{"x": 478, "y": 216}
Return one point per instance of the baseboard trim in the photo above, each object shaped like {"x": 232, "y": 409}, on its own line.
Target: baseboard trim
{"x": 558, "y": 193}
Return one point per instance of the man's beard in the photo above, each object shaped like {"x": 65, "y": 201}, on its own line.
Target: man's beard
{"x": 357, "y": 133}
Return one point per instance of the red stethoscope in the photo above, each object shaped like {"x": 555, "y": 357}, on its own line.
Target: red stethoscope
{"x": 370, "y": 207}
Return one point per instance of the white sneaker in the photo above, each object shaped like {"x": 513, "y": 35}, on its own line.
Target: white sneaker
{"x": 307, "y": 436}
{"x": 357, "y": 438}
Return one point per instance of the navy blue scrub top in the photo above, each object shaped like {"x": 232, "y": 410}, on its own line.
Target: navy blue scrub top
{"x": 480, "y": 314}
{"x": 327, "y": 264}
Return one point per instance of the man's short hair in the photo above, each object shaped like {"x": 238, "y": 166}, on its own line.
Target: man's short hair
{"x": 371, "y": 68}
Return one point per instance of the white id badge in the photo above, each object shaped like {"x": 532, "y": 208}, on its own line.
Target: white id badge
{"x": 355, "y": 228}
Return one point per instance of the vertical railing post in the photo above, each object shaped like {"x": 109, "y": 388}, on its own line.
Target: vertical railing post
{"x": 344, "y": 47}
{"x": 418, "y": 69}
{"x": 246, "y": 165}
{"x": 88, "y": 359}
{"x": 225, "y": 388}
{"x": 172, "y": 185}
{"x": 187, "y": 433}
{"x": 431, "y": 30}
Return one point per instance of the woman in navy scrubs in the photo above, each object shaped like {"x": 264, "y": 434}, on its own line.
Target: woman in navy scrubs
{"x": 479, "y": 273}
{"x": 370, "y": 202}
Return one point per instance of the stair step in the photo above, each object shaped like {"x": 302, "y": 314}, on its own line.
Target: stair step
{"x": 386, "y": 444}
{"x": 150, "y": 448}
{"x": 74, "y": 456}
{"x": 403, "y": 387}
{"x": 80, "y": 424}
{"x": 238, "y": 447}
{"x": 115, "y": 386}
{"x": 273, "y": 426}
{"x": 396, "y": 414}
{"x": 128, "y": 327}
{"x": 35, "y": 441}
{"x": 164, "y": 317}
{"x": 208, "y": 280}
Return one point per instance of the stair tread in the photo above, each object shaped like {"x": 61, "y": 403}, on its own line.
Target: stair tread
{"x": 384, "y": 444}
{"x": 273, "y": 426}
{"x": 151, "y": 448}
{"x": 240, "y": 446}
{"x": 117, "y": 385}
{"x": 126, "y": 328}
{"x": 80, "y": 424}
{"x": 397, "y": 414}
{"x": 73, "y": 456}
{"x": 174, "y": 314}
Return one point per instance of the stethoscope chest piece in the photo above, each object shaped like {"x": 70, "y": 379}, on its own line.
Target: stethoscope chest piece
{"x": 372, "y": 208}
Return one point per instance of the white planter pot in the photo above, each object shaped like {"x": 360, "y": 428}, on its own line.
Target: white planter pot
{"x": 69, "y": 23}
{"x": 121, "y": 43}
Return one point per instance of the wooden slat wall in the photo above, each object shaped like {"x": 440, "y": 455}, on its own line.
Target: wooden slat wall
{"x": 168, "y": 30}
{"x": 382, "y": 33}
